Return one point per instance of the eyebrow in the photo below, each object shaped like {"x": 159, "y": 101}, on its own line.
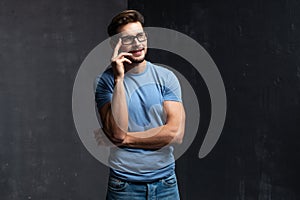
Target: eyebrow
{"x": 132, "y": 35}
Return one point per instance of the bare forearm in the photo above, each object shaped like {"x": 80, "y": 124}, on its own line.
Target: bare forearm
{"x": 114, "y": 115}
{"x": 154, "y": 138}
{"x": 119, "y": 106}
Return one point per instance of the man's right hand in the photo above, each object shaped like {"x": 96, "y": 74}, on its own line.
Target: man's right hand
{"x": 118, "y": 60}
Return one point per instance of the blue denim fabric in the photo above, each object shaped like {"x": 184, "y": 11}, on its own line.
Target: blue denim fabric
{"x": 163, "y": 189}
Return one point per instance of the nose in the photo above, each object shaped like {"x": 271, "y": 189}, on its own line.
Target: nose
{"x": 136, "y": 41}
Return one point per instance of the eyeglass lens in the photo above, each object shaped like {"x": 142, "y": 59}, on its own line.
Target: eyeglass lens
{"x": 130, "y": 39}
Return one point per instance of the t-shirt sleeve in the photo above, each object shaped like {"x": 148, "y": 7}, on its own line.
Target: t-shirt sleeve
{"x": 104, "y": 89}
{"x": 172, "y": 89}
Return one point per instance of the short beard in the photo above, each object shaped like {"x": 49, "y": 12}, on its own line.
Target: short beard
{"x": 136, "y": 61}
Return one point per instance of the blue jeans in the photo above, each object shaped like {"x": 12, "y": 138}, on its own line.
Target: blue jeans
{"x": 163, "y": 189}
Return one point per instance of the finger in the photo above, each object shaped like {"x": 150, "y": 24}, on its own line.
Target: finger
{"x": 98, "y": 138}
{"x": 100, "y": 141}
{"x": 125, "y": 60}
{"x": 123, "y": 54}
{"x": 97, "y": 135}
{"x": 117, "y": 48}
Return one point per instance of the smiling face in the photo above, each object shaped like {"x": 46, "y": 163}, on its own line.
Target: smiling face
{"x": 138, "y": 47}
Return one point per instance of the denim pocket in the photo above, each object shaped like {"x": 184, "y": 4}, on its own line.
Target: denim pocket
{"x": 116, "y": 184}
{"x": 170, "y": 181}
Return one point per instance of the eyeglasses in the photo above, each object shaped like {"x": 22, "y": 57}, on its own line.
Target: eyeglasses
{"x": 127, "y": 40}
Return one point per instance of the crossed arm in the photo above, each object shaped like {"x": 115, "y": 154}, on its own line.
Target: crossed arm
{"x": 171, "y": 132}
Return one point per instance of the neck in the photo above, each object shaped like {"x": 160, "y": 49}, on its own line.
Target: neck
{"x": 135, "y": 68}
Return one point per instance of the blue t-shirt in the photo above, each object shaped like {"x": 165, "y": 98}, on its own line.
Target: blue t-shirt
{"x": 145, "y": 94}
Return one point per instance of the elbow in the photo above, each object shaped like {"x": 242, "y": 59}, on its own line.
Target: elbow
{"x": 116, "y": 135}
{"x": 119, "y": 135}
{"x": 177, "y": 136}
{"x": 179, "y": 140}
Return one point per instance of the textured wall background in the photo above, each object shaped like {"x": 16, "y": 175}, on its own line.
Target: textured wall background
{"x": 255, "y": 44}
{"x": 42, "y": 44}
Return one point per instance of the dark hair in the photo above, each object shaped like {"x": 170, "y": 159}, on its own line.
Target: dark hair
{"x": 123, "y": 18}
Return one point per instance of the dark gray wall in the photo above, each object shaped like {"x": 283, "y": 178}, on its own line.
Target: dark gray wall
{"x": 42, "y": 44}
{"x": 256, "y": 46}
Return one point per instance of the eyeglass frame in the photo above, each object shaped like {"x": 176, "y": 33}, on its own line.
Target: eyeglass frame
{"x": 134, "y": 37}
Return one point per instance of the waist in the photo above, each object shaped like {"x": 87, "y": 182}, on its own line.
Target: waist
{"x": 141, "y": 165}
{"x": 151, "y": 176}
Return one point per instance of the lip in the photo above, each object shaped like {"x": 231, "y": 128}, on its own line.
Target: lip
{"x": 136, "y": 50}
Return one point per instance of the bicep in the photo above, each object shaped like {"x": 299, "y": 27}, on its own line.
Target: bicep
{"x": 175, "y": 119}
{"x": 174, "y": 112}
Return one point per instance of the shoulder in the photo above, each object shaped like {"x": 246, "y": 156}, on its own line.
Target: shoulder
{"x": 106, "y": 75}
{"x": 104, "y": 79}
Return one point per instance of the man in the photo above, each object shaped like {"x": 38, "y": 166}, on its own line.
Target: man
{"x": 141, "y": 113}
